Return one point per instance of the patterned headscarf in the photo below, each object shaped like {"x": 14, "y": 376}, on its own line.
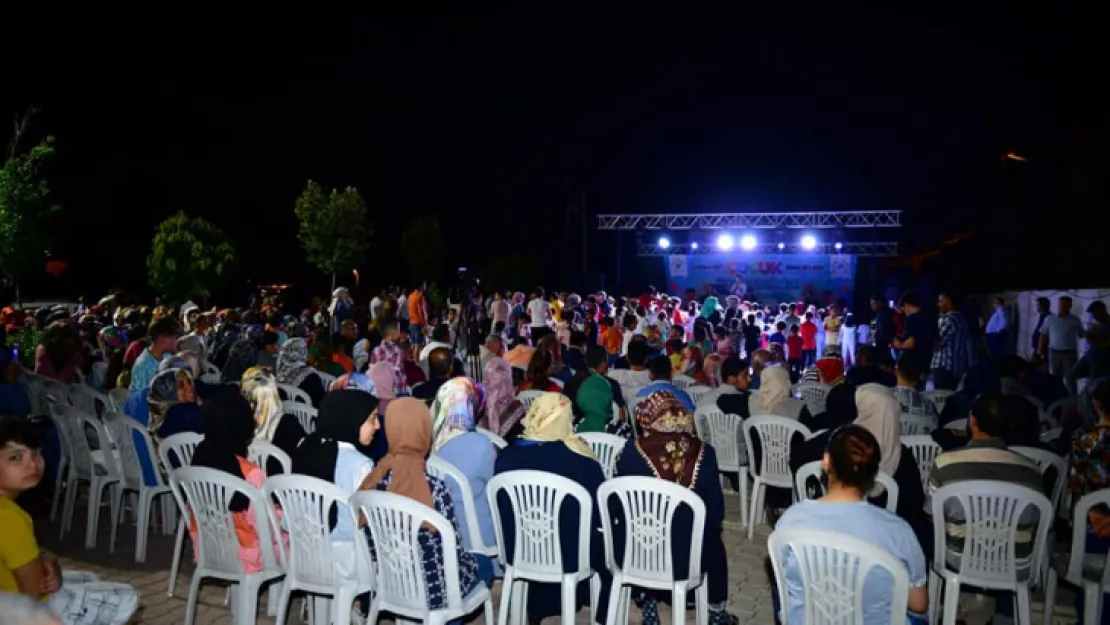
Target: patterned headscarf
{"x": 112, "y": 338}
{"x": 667, "y": 441}
{"x": 292, "y": 363}
{"x": 503, "y": 409}
{"x": 168, "y": 388}
{"x": 551, "y": 418}
{"x": 457, "y": 404}
{"x": 242, "y": 355}
{"x": 192, "y": 361}
{"x": 259, "y": 388}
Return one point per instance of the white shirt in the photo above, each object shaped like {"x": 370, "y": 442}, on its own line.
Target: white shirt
{"x": 376, "y": 307}
{"x": 625, "y": 340}
{"x": 539, "y": 308}
{"x": 402, "y": 307}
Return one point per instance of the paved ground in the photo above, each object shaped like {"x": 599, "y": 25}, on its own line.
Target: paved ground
{"x": 749, "y": 595}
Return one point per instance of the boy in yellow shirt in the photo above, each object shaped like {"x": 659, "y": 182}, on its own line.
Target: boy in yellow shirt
{"x": 77, "y": 598}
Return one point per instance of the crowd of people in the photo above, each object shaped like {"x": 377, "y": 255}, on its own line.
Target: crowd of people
{"x": 396, "y": 380}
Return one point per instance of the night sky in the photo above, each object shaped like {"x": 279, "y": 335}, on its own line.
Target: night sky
{"x": 492, "y": 121}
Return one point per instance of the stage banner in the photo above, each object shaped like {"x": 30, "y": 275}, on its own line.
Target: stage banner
{"x": 768, "y": 278}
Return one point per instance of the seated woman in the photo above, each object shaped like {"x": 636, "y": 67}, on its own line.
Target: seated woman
{"x": 334, "y": 453}
{"x": 113, "y": 342}
{"x": 558, "y": 370}
{"x": 293, "y": 370}
{"x": 228, "y": 432}
{"x": 851, "y": 464}
{"x": 362, "y": 383}
{"x": 538, "y": 377}
{"x": 593, "y": 396}
{"x": 503, "y": 411}
{"x": 402, "y": 471}
{"x": 453, "y": 438}
{"x": 668, "y": 448}
{"x": 1089, "y": 471}
{"x": 549, "y": 444}
{"x": 172, "y": 401}
{"x": 774, "y": 399}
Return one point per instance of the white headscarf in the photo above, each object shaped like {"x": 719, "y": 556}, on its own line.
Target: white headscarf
{"x": 339, "y": 295}
{"x": 878, "y": 412}
{"x": 774, "y": 397}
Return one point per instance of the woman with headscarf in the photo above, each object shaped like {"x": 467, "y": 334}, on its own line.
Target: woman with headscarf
{"x": 341, "y": 309}
{"x": 669, "y": 449}
{"x": 113, "y": 342}
{"x": 774, "y": 396}
{"x": 384, "y": 379}
{"x": 241, "y": 355}
{"x": 259, "y": 388}
{"x": 345, "y": 427}
{"x": 59, "y": 356}
{"x": 454, "y": 439}
{"x": 403, "y": 471}
{"x": 503, "y": 412}
{"x": 293, "y": 370}
{"x": 228, "y": 432}
{"x": 879, "y": 412}
{"x": 362, "y": 383}
{"x": 172, "y": 401}
{"x": 549, "y": 444}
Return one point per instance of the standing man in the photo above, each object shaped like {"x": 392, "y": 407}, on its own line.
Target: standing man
{"x": 884, "y": 323}
{"x": 1043, "y": 312}
{"x": 918, "y": 334}
{"x": 1060, "y": 336}
{"x": 998, "y": 329}
{"x": 953, "y": 351}
{"x": 539, "y": 310}
{"x": 418, "y": 316}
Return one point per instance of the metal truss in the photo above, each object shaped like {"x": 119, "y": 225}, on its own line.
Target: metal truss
{"x": 882, "y": 249}
{"x": 719, "y": 221}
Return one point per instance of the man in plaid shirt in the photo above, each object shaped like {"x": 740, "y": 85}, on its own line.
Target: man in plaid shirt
{"x": 390, "y": 350}
{"x": 953, "y": 349}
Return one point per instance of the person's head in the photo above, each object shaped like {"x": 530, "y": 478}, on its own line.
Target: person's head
{"x": 163, "y": 334}
{"x": 1100, "y": 398}
{"x": 1064, "y": 305}
{"x": 794, "y": 330}
{"x": 597, "y": 359}
{"x": 877, "y": 303}
{"x": 660, "y": 368}
{"x": 539, "y": 292}
{"x": 442, "y": 333}
{"x": 760, "y": 358}
{"x": 1097, "y": 309}
{"x": 390, "y": 330}
{"x": 946, "y": 302}
{"x": 348, "y": 330}
{"x": 1043, "y": 305}
{"x": 998, "y": 303}
{"x": 988, "y": 416}
{"x": 21, "y": 462}
{"x": 781, "y": 326}
{"x": 494, "y": 344}
{"x": 606, "y": 322}
{"x": 270, "y": 342}
{"x": 458, "y": 403}
{"x": 637, "y": 353}
{"x": 865, "y": 355}
{"x": 452, "y": 314}
{"x": 735, "y": 373}
{"x": 439, "y": 363}
{"x": 674, "y": 346}
{"x": 630, "y": 322}
{"x": 852, "y": 459}
{"x": 539, "y": 368}
{"x": 910, "y": 303}
{"x": 910, "y": 369}
{"x": 578, "y": 339}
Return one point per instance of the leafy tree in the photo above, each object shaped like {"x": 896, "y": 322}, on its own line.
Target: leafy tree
{"x": 334, "y": 228}
{"x": 24, "y": 205}
{"x": 189, "y": 257}
{"x": 421, "y": 243}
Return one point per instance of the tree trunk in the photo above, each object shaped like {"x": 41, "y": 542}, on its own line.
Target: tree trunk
{"x": 333, "y": 281}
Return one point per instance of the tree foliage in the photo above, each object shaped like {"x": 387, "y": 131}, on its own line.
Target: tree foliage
{"x": 189, "y": 257}
{"x": 421, "y": 243}
{"x": 334, "y": 228}
{"x": 24, "y": 205}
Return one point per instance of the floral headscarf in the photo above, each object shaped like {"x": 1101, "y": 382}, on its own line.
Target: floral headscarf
{"x": 112, "y": 338}
{"x": 168, "y": 388}
{"x": 259, "y": 388}
{"x": 457, "y": 404}
{"x": 667, "y": 441}
{"x": 292, "y": 363}
{"x": 503, "y": 409}
{"x": 551, "y": 418}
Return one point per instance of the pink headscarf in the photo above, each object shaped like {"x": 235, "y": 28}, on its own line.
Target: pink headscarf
{"x": 500, "y": 415}
{"x": 382, "y": 375}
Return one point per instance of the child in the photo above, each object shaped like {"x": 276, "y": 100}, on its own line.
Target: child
{"x": 611, "y": 339}
{"x": 808, "y": 330}
{"x": 77, "y": 598}
{"x": 794, "y": 353}
{"x": 674, "y": 352}
{"x": 779, "y": 335}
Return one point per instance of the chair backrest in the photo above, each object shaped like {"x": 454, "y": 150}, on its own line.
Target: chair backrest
{"x": 260, "y": 452}
{"x": 211, "y": 369}
{"x": 395, "y": 523}
{"x": 177, "y": 450}
{"x": 1079, "y": 555}
{"x": 124, "y": 431}
{"x": 306, "y": 503}
{"x": 1061, "y": 407}
{"x": 924, "y": 450}
{"x": 119, "y": 397}
{"x": 649, "y": 505}
{"x": 992, "y": 511}
{"x": 834, "y": 568}
{"x": 631, "y": 397}
{"x": 608, "y": 449}
{"x": 813, "y": 470}
{"x": 304, "y": 412}
{"x": 207, "y": 494}
{"x": 527, "y": 397}
{"x": 814, "y": 395}
{"x": 682, "y": 381}
{"x": 91, "y": 401}
{"x": 774, "y": 437}
{"x": 696, "y": 392}
{"x": 536, "y": 499}
{"x": 472, "y": 538}
{"x": 53, "y": 390}
{"x": 497, "y": 441}
{"x": 1050, "y": 435}
{"x": 326, "y": 379}
{"x": 913, "y": 424}
{"x": 1046, "y": 421}
{"x": 723, "y": 432}
{"x": 956, "y": 424}
{"x": 1048, "y": 460}
{"x": 73, "y": 421}
{"x": 939, "y": 398}
{"x": 293, "y": 393}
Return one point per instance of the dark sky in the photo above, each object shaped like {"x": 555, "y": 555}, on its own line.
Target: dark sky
{"x": 487, "y": 120}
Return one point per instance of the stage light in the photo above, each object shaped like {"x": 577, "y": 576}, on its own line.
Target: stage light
{"x": 725, "y": 242}
{"x": 748, "y": 242}
{"x": 664, "y": 242}
{"x": 782, "y": 246}
{"x": 838, "y": 245}
{"x": 809, "y": 242}
{"x": 694, "y": 245}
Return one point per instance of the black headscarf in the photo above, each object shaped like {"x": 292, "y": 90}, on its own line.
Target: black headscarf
{"x": 228, "y": 431}
{"x": 342, "y": 414}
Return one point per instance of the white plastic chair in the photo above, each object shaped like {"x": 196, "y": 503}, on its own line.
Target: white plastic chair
{"x": 91, "y": 401}
{"x": 306, "y": 503}
{"x": 925, "y": 450}
{"x": 1051, "y": 435}
{"x": 683, "y": 381}
{"x": 326, "y": 379}
{"x": 536, "y": 499}
{"x": 527, "y": 397}
{"x": 724, "y": 433}
{"x": 1036, "y": 402}
{"x": 648, "y": 506}
{"x": 87, "y": 468}
{"x": 913, "y": 424}
{"x": 260, "y": 452}
{"x": 210, "y": 369}
{"x": 697, "y": 392}
{"x": 992, "y": 510}
{"x": 65, "y": 457}
{"x": 294, "y": 394}
{"x": 775, "y": 434}
{"x": 939, "y": 398}
{"x": 1047, "y": 460}
{"x": 1046, "y": 421}
{"x": 304, "y": 412}
{"x": 468, "y": 516}
{"x": 123, "y": 430}
{"x": 813, "y": 470}
{"x": 497, "y": 441}
{"x": 119, "y": 397}
{"x": 956, "y": 424}
{"x": 206, "y": 494}
{"x": 1061, "y": 407}
{"x": 177, "y": 451}
{"x": 834, "y": 568}
{"x": 395, "y": 525}
{"x": 814, "y": 394}
{"x": 607, "y": 447}
{"x": 1090, "y": 571}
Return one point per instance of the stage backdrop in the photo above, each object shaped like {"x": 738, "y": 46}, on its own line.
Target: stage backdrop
{"x": 768, "y": 278}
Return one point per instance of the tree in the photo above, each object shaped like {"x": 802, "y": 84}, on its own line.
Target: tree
{"x": 24, "y": 205}
{"x": 421, "y": 244}
{"x": 189, "y": 257}
{"x": 334, "y": 228}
